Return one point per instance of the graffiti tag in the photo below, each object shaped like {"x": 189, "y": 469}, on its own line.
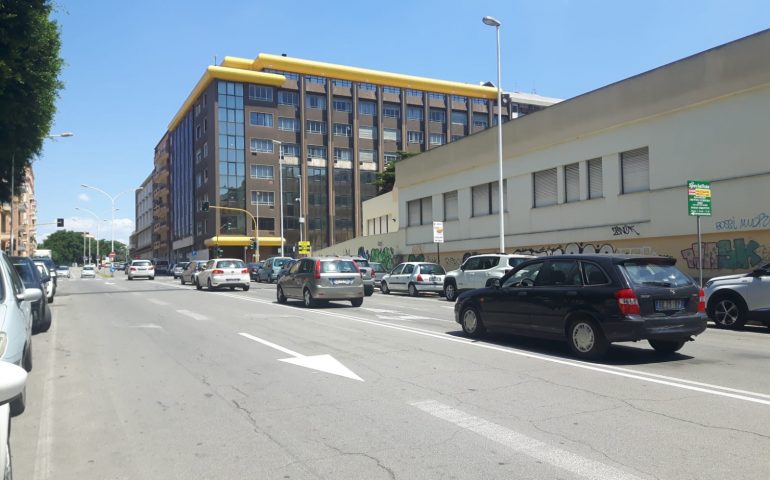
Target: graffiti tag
{"x": 728, "y": 254}
{"x": 619, "y": 230}
{"x": 761, "y": 220}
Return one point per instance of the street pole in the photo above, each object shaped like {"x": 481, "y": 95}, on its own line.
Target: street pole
{"x": 13, "y": 200}
{"x": 280, "y": 188}
{"x": 700, "y": 254}
{"x": 112, "y": 200}
{"x": 493, "y": 22}
{"x": 84, "y": 247}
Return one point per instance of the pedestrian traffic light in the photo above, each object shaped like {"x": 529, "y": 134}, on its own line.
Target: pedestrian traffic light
{"x": 205, "y": 207}
{"x": 59, "y": 222}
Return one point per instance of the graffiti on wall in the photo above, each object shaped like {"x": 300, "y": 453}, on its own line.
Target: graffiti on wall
{"x": 761, "y": 220}
{"x": 627, "y": 229}
{"x": 575, "y": 248}
{"x": 737, "y": 253}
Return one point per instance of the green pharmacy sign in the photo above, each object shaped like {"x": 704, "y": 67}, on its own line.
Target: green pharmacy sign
{"x": 698, "y": 197}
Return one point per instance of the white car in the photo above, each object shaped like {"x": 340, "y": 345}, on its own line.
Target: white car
{"x": 12, "y": 383}
{"x": 732, "y": 300}
{"x": 63, "y": 271}
{"x": 478, "y": 271}
{"x": 141, "y": 269}
{"x": 50, "y": 287}
{"x": 224, "y": 272}
{"x": 88, "y": 271}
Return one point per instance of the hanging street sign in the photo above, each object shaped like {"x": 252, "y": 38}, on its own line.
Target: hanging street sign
{"x": 698, "y": 198}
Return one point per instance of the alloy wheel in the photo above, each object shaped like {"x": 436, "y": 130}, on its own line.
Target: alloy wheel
{"x": 726, "y": 312}
{"x": 583, "y": 337}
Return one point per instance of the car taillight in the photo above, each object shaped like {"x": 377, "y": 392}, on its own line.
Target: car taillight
{"x": 627, "y": 302}
{"x": 317, "y": 270}
{"x": 245, "y": 270}
{"x": 419, "y": 277}
{"x": 133, "y": 269}
{"x": 151, "y": 268}
{"x": 701, "y": 301}
{"x": 217, "y": 272}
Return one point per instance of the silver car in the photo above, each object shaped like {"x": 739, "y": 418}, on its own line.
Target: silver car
{"x": 379, "y": 272}
{"x": 178, "y": 269}
{"x": 224, "y": 272}
{"x": 190, "y": 273}
{"x": 317, "y": 279}
{"x": 414, "y": 278}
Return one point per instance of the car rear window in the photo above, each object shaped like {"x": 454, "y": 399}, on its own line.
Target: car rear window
{"x": 656, "y": 275}
{"x": 363, "y": 263}
{"x": 231, "y": 264}
{"x": 88, "y": 268}
{"x": 377, "y": 267}
{"x": 515, "y": 262}
{"x": 338, "y": 266}
{"x": 432, "y": 269}
{"x": 142, "y": 263}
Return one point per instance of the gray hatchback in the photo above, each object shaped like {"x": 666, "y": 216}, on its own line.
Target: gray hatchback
{"x": 317, "y": 279}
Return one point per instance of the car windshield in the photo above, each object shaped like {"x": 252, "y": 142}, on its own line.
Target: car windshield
{"x": 432, "y": 269}
{"x": 182, "y": 264}
{"x": 63, "y": 267}
{"x": 230, "y": 264}
{"x": 656, "y": 275}
{"x": 88, "y": 267}
{"x": 279, "y": 261}
{"x": 338, "y": 266}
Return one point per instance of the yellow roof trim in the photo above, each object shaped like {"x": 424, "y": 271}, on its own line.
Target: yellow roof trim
{"x": 355, "y": 74}
{"x": 224, "y": 73}
{"x": 240, "y": 241}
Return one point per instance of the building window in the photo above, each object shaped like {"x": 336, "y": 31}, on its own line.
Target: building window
{"x": 205, "y": 125}
{"x": 197, "y": 132}
{"x": 572, "y": 182}
{"x": 391, "y": 110}
{"x": 420, "y": 211}
{"x": 391, "y": 90}
{"x": 391, "y": 134}
{"x": 390, "y": 157}
{"x": 206, "y": 150}
{"x": 315, "y": 101}
{"x": 545, "y": 187}
{"x": 343, "y": 105}
{"x": 314, "y": 126}
{"x": 288, "y": 98}
{"x": 414, "y": 137}
{"x": 459, "y": 117}
{"x": 437, "y": 115}
{"x": 288, "y": 124}
{"x": 366, "y": 132}
{"x": 261, "y": 145}
{"x": 263, "y": 94}
{"x": 480, "y": 120}
{"x": 343, "y": 130}
{"x": 459, "y": 99}
{"x": 367, "y": 155}
{"x": 262, "y": 198}
{"x": 259, "y": 119}
{"x": 635, "y": 170}
{"x": 315, "y": 79}
{"x": 266, "y": 223}
{"x": 316, "y": 151}
{"x": 367, "y": 86}
{"x": 342, "y": 83}
{"x": 290, "y": 150}
{"x": 288, "y": 75}
{"x": 414, "y": 113}
{"x": 450, "y": 206}
{"x": 436, "y": 96}
{"x": 367, "y": 108}
{"x": 485, "y": 199}
{"x": 437, "y": 139}
{"x": 198, "y": 156}
{"x": 343, "y": 154}
{"x": 457, "y": 137}
{"x": 262, "y": 171}
{"x": 413, "y": 93}
{"x": 479, "y": 101}
{"x": 595, "y": 182}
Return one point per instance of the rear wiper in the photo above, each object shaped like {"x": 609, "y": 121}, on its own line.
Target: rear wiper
{"x": 657, "y": 284}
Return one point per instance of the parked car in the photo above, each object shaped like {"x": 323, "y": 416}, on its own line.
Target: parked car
{"x": 270, "y": 269}
{"x": 414, "y": 278}
{"x": 178, "y": 269}
{"x": 478, "y": 271}
{"x": 315, "y": 279}
{"x": 284, "y": 269}
{"x": 190, "y": 274}
{"x": 379, "y": 272}
{"x": 47, "y": 280}
{"x": 51, "y": 268}
{"x": 88, "y": 271}
{"x": 591, "y": 301}
{"x": 120, "y": 266}
{"x": 254, "y": 269}
{"x": 31, "y": 277}
{"x": 63, "y": 271}
{"x": 367, "y": 274}
{"x": 224, "y": 272}
{"x": 141, "y": 269}
{"x": 12, "y": 384}
{"x": 732, "y": 300}
{"x": 162, "y": 267}
{"x": 16, "y": 323}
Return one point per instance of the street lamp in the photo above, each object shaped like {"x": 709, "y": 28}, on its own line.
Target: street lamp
{"x": 112, "y": 210}
{"x": 280, "y": 186}
{"x": 493, "y": 22}
{"x": 99, "y": 221}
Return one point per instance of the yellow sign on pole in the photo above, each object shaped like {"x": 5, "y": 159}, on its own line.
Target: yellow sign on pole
{"x": 303, "y": 248}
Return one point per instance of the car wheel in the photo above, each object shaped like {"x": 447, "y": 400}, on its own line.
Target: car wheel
{"x": 384, "y": 288}
{"x": 181, "y": 280}
{"x": 413, "y": 290}
{"x": 586, "y": 340}
{"x": 666, "y": 346}
{"x": 728, "y": 312}
{"x": 198, "y": 285}
{"x": 471, "y": 322}
{"x": 26, "y": 362}
{"x": 450, "y": 292}
{"x": 368, "y": 291}
{"x": 130, "y": 277}
{"x": 208, "y": 285}
{"x": 19, "y": 404}
{"x": 232, "y": 289}
{"x": 50, "y": 300}
{"x": 307, "y": 298}
{"x": 152, "y": 278}
{"x": 279, "y": 295}
{"x": 357, "y": 302}
{"x": 246, "y": 288}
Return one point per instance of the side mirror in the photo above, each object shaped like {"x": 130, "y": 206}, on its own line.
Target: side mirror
{"x": 12, "y": 379}
{"x": 45, "y": 279}
{"x": 30, "y": 295}
{"x": 495, "y": 283}
{"x": 462, "y": 267}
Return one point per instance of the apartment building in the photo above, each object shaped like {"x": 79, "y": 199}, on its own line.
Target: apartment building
{"x": 143, "y": 247}
{"x": 316, "y": 132}
{"x": 21, "y": 219}
{"x": 161, "y": 230}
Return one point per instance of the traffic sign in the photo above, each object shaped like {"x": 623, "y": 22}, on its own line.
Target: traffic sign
{"x": 438, "y": 232}
{"x": 698, "y": 198}
{"x": 303, "y": 247}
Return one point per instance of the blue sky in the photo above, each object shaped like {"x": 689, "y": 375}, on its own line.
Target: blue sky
{"x": 130, "y": 65}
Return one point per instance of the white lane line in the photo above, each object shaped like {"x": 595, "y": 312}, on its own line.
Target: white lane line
{"x": 193, "y": 315}
{"x": 42, "y": 468}
{"x": 157, "y": 302}
{"x": 109, "y": 283}
{"x": 541, "y": 451}
{"x": 146, "y": 325}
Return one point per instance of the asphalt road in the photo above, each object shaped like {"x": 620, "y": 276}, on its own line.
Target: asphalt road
{"x": 152, "y": 380}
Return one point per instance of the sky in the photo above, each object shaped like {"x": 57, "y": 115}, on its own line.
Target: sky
{"x": 130, "y": 65}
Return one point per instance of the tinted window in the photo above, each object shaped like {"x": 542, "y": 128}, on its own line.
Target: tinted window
{"x": 279, "y": 261}
{"x": 408, "y": 269}
{"x": 230, "y": 264}
{"x": 515, "y": 262}
{"x": 527, "y": 274}
{"x": 652, "y": 274}
{"x": 29, "y": 277}
{"x": 594, "y": 275}
{"x": 472, "y": 263}
{"x": 339, "y": 266}
{"x": 432, "y": 269}
{"x": 362, "y": 263}
{"x": 562, "y": 272}
{"x": 397, "y": 270}
{"x": 295, "y": 267}
{"x": 18, "y": 285}
{"x": 142, "y": 263}
{"x": 485, "y": 263}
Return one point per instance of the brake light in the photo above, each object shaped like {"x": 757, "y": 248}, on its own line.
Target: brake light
{"x": 358, "y": 269}
{"x": 317, "y": 270}
{"x": 217, "y": 272}
{"x": 151, "y": 268}
{"x": 419, "y": 277}
{"x": 627, "y": 302}
{"x": 133, "y": 269}
{"x": 701, "y": 301}
{"x": 245, "y": 270}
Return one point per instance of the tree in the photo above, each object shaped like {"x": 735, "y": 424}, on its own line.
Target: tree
{"x": 66, "y": 246}
{"x": 29, "y": 83}
{"x": 387, "y": 178}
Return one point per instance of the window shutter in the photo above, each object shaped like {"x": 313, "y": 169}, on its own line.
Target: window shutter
{"x": 595, "y": 182}
{"x": 414, "y": 212}
{"x": 572, "y": 182}
{"x": 545, "y": 187}
{"x": 427, "y": 211}
{"x": 450, "y": 206}
{"x": 635, "y": 165}
{"x": 480, "y": 200}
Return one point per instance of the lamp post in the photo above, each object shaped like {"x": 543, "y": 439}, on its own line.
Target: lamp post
{"x": 280, "y": 186}
{"x": 99, "y": 221}
{"x": 493, "y": 22}
{"x": 112, "y": 210}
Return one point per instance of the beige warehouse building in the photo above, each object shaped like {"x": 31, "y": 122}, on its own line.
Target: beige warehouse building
{"x": 602, "y": 172}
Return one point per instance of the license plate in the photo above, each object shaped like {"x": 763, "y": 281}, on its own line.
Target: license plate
{"x": 342, "y": 281}
{"x": 233, "y": 279}
{"x": 668, "y": 305}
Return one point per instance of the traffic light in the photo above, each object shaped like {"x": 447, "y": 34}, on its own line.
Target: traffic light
{"x": 205, "y": 207}
{"x": 59, "y": 222}
{"x": 253, "y": 245}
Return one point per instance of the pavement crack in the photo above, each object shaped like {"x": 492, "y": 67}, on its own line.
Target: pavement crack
{"x": 379, "y": 463}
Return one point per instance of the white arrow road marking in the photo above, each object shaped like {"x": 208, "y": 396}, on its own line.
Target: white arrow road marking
{"x": 193, "y": 315}
{"x": 323, "y": 363}
{"x": 533, "y": 448}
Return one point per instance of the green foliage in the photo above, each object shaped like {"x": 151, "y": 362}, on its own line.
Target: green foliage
{"x": 67, "y": 246}
{"x": 387, "y": 178}
{"x": 29, "y": 83}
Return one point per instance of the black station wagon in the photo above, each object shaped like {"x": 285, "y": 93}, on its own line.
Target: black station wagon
{"x": 591, "y": 301}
